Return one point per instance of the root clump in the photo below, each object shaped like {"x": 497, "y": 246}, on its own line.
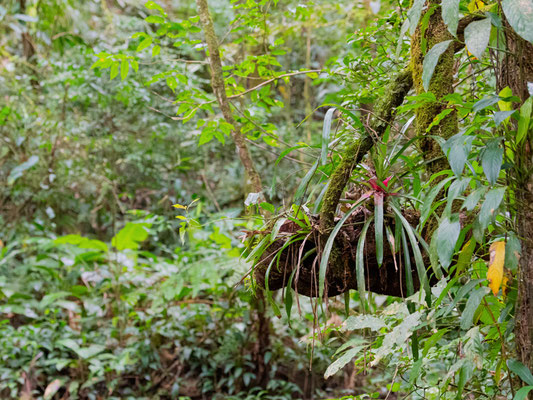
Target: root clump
{"x": 301, "y": 259}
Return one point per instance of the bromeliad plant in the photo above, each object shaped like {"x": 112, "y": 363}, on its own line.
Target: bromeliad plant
{"x": 293, "y": 252}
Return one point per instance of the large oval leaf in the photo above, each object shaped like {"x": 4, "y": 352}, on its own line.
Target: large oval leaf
{"x": 477, "y": 35}
{"x": 431, "y": 60}
{"x": 450, "y": 14}
{"x": 492, "y": 160}
{"x": 413, "y": 15}
{"x": 519, "y": 13}
{"x": 447, "y": 235}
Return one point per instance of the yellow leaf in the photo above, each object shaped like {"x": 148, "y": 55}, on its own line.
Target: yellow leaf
{"x": 179, "y": 206}
{"x": 476, "y": 5}
{"x": 181, "y": 217}
{"x": 495, "y": 272}
{"x": 505, "y": 288}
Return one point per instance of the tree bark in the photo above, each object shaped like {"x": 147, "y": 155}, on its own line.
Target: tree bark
{"x": 514, "y": 71}
{"x": 441, "y": 84}
{"x": 384, "y": 113}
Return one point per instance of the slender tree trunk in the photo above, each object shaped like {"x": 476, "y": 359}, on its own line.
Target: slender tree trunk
{"x": 514, "y": 71}
{"x": 260, "y": 318}
{"x": 307, "y": 83}
{"x": 219, "y": 89}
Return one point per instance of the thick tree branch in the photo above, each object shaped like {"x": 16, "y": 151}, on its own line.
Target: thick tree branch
{"x": 384, "y": 114}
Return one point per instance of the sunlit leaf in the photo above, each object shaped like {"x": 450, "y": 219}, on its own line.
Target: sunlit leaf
{"x": 124, "y": 68}
{"x": 525, "y": 118}
{"x": 131, "y": 236}
{"x": 465, "y": 256}
{"x": 146, "y": 42}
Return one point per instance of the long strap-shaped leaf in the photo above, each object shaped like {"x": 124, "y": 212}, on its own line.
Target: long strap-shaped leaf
{"x": 419, "y": 261}
{"x": 326, "y": 131}
{"x": 329, "y": 245}
{"x": 378, "y": 226}
{"x": 360, "y": 265}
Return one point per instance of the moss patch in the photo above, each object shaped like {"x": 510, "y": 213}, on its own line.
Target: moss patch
{"x": 441, "y": 85}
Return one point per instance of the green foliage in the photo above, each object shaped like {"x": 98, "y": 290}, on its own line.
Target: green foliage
{"x": 89, "y": 316}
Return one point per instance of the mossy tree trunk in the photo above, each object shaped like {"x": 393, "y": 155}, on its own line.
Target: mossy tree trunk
{"x": 425, "y": 37}
{"x": 440, "y": 85}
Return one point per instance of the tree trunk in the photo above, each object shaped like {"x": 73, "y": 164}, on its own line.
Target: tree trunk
{"x": 219, "y": 89}
{"x": 514, "y": 71}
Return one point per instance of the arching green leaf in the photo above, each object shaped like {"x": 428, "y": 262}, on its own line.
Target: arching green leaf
{"x": 431, "y": 60}
{"x": 325, "y": 135}
{"x": 521, "y": 370}
{"x": 414, "y": 15}
{"x": 525, "y": 118}
{"x": 447, "y": 235}
{"x": 360, "y": 264}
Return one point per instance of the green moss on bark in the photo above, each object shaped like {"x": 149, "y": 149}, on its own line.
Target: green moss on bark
{"x": 441, "y": 85}
{"x": 383, "y": 116}
{"x": 384, "y": 112}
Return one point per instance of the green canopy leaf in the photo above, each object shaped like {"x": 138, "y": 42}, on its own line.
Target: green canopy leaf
{"x": 431, "y": 60}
